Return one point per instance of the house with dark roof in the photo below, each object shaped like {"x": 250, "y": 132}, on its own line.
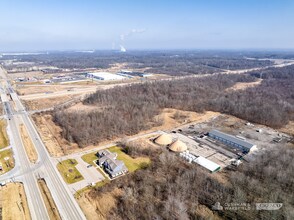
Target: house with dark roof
{"x": 232, "y": 141}
{"x": 108, "y": 161}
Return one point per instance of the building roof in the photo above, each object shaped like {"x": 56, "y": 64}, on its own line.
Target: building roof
{"x": 233, "y": 139}
{"x": 178, "y": 146}
{"x": 111, "y": 160}
{"x": 113, "y": 163}
{"x": 211, "y": 166}
{"x": 164, "y": 139}
{"x": 106, "y": 75}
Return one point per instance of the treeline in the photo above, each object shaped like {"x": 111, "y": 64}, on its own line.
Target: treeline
{"x": 164, "y": 62}
{"x": 286, "y": 72}
{"x": 130, "y": 109}
{"x": 271, "y": 103}
{"x": 171, "y": 188}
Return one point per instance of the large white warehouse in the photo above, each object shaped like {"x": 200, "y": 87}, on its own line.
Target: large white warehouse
{"x": 105, "y": 76}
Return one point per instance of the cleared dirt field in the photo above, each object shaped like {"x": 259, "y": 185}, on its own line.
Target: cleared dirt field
{"x": 98, "y": 208}
{"x": 13, "y": 202}
{"x": 30, "y": 74}
{"x": 173, "y": 118}
{"x": 51, "y": 135}
{"x": 35, "y": 89}
{"x": 39, "y": 104}
{"x": 48, "y": 200}
{"x": 289, "y": 128}
{"x": 30, "y": 148}
{"x": 244, "y": 85}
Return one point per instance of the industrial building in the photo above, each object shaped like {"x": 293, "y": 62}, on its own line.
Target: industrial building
{"x": 133, "y": 74}
{"x": 207, "y": 164}
{"x": 232, "y": 141}
{"x": 104, "y": 76}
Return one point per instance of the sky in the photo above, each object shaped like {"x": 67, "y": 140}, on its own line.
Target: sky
{"x": 35, "y": 25}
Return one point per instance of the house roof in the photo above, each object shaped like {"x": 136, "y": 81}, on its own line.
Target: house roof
{"x": 232, "y": 138}
{"x": 114, "y": 163}
{"x": 111, "y": 160}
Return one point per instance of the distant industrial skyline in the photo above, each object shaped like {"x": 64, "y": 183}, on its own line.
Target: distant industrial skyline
{"x": 137, "y": 25}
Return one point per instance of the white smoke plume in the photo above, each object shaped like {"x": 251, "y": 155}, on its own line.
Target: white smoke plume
{"x": 131, "y": 32}
{"x": 124, "y": 36}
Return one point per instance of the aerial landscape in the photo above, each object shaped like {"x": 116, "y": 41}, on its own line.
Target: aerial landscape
{"x": 147, "y": 110}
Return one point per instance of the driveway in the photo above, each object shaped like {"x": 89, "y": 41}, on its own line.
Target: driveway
{"x": 91, "y": 175}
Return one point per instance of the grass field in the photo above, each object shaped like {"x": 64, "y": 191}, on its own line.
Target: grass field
{"x": 89, "y": 158}
{"x": 131, "y": 163}
{"x": 9, "y": 164}
{"x": 68, "y": 171}
{"x": 4, "y": 142}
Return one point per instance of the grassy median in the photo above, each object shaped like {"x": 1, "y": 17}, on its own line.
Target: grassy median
{"x": 4, "y": 141}
{"x": 28, "y": 144}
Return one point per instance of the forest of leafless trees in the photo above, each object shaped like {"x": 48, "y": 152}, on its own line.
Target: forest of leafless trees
{"x": 173, "y": 189}
{"x": 163, "y": 62}
{"x": 130, "y": 109}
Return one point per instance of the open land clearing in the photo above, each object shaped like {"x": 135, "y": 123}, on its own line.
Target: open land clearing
{"x": 100, "y": 207}
{"x": 30, "y": 74}
{"x": 289, "y": 128}
{"x": 48, "y": 200}
{"x": 13, "y": 202}
{"x": 59, "y": 93}
{"x": 4, "y": 141}
{"x": 244, "y": 85}
{"x": 29, "y": 147}
{"x": 46, "y": 103}
{"x": 51, "y": 135}
{"x": 58, "y": 146}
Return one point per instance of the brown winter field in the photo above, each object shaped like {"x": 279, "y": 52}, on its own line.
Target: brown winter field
{"x": 28, "y": 144}
{"x": 45, "y": 103}
{"x": 244, "y": 85}
{"x": 13, "y": 202}
{"x": 48, "y": 200}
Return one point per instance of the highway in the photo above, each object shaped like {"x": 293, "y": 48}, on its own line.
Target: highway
{"x": 28, "y": 173}
{"x": 30, "y": 182}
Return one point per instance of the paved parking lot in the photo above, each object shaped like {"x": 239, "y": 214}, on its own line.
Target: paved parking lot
{"x": 91, "y": 175}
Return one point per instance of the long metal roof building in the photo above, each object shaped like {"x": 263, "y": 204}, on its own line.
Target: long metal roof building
{"x": 232, "y": 140}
